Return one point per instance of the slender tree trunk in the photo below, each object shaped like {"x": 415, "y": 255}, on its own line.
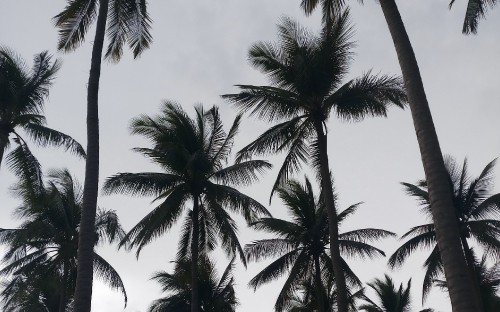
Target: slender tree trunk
{"x": 83, "y": 292}
{"x": 319, "y": 285}
{"x": 443, "y": 213}
{"x": 195, "y": 297}
{"x": 64, "y": 280}
{"x": 472, "y": 272}
{"x": 326, "y": 185}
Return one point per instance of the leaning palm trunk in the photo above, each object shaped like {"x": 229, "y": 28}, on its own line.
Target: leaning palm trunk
{"x": 83, "y": 292}
{"x": 327, "y": 188}
{"x": 195, "y": 294}
{"x": 447, "y": 233}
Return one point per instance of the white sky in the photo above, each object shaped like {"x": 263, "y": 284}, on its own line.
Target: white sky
{"x": 200, "y": 51}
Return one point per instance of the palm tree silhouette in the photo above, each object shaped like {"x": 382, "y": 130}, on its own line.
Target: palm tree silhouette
{"x": 22, "y": 95}
{"x": 127, "y": 22}
{"x": 43, "y": 249}
{"x": 301, "y": 245}
{"x": 216, "y": 294}
{"x": 475, "y": 213}
{"x": 306, "y": 74}
{"x": 447, "y": 231}
{"x": 192, "y": 154}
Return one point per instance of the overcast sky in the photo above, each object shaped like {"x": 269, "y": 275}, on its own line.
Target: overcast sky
{"x": 200, "y": 51}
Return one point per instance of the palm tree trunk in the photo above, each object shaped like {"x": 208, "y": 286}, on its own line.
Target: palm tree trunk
{"x": 326, "y": 185}
{"x": 472, "y": 272}
{"x": 195, "y": 297}
{"x": 443, "y": 214}
{"x": 319, "y": 285}
{"x": 64, "y": 280}
{"x": 83, "y": 291}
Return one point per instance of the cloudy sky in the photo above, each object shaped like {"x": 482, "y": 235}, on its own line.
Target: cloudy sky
{"x": 200, "y": 51}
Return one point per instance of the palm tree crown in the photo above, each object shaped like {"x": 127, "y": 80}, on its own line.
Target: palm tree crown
{"x": 193, "y": 155}
{"x": 42, "y": 251}
{"x": 301, "y": 245}
{"x": 22, "y": 95}
{"x": 306, "y": 74}
{"x": 475, "y": 208}
{"x": 128, "y": 23}
{"x": 216, "y": 294}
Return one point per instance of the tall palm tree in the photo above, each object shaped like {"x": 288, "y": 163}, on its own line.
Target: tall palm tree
{"x": 193, "y": 154}
{"x": 476, "y": 10}
{"x": 306, "y": 74}
{"x": 22, "y": 95}
{"x": 390, "y": 299}
{"x": 447, "y": 231}
{"x": 476, "y": 211}
{"x": 42, "y": 251}
{"x": 216, "y": 294}
{"x": 301, "y": 249}
{"x": 125, "y": 22}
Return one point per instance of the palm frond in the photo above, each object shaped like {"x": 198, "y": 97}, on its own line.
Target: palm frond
{"x": 426, "y": 239}
{"x": 141, "y": 184}
{"x": 368, "y": 95}
{"x": 157, "y": 221}
{"x": 42, "y": 135}
{"x": 73, "y": 23}
{"x": 108, "y": 275}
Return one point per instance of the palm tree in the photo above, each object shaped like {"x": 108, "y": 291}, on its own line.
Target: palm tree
{"x": 390, "y": 298}
{"x": 42, "y": 251}
{"x": 489, "y": 284}
{"x": 128, "y": 22}
{"x": 476, "y": 210}
{"x": 306, "y": 74}
{"x": 447, "y": 231}
{"x": 22, "y": 95}
{"x": 476, "y": 10}
{"x": 192, "y": 155}
{"x": 301, "y": 249}
{"x": 216, "y": 295}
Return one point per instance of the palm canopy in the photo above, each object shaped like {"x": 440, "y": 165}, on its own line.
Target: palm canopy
{"x": 476, "y": 208}
{"x": 22, "y": 96}
{"x": 301, "y": 244}
{"x": 128, "y": 23}
{"x": 476, "y": 10}
{"x": 192, "y": 154}
{"x": 44, "y": 247}
{"x": 391, "y": 299}
{"x": 216, "y": 294}
{"x": 306, "y": 74}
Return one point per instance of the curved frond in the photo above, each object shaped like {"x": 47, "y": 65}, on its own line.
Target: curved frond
{"x": 73, "y": 23}
{"x": 141, "y": 184}
{"x": 108, "y": 275}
